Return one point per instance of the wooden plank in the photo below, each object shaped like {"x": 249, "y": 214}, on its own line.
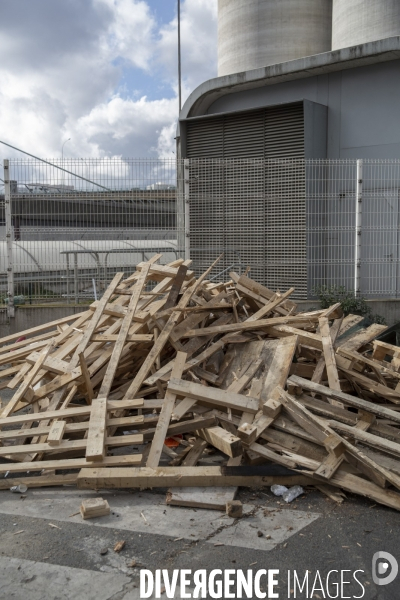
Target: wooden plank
{"x": 320, "y": 368}
{"x": 39, "y": 328}
{"x": 305, "y": 338}
{"x": 94, "y": 321}
{"x": 375, "y": 441}
{"x": 57, "y": 383}
{"x": 249, "y": 325}
{"x": 195, "y": 453}
{"x": 190, "y": 348}
{"x": 329, "y": 466}
{"x": 189, "y": 426}
{"x": 10, "y": 357}
{"x": 324, "y": 434}
{"x": 163, "y": 337}
{"x": 19, "y": 395}
{"x": 218, "y": 437}
{"x": 212, "y": 498}
{"x": 176, "y": 287}
{"x": 56, "y": 433}
{"x": 103, "y": 478}
{"x": 95, "y": 448}
{"x": 70, "y": 463}
{"x": 346, "y": 399}
{"x": 123, "y": 332}
{"x": 329, "y": 354}
{"x": 213, "y": 396}
{"x": 123, "y": 422}
{"x": 121, "y": 440}
{"x": 165, "y": 415}
{"x": 72, "y": 412}
{"x": 135, "y": 338}
{"x": 41, "y": 481}
{"x": 363, "y": 337}
{"x": 279, "y": 367}
{"x": 193, "y": 320}
{"x": 350, "y": 483}
{"x": 4, "y": 350}
{"x": 86, "y": 378}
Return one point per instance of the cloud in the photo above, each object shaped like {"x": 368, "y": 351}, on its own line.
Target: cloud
{"x": 64, "y": 68}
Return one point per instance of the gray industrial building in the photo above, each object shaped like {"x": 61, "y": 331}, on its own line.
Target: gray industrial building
{"x": 298, "y": 79}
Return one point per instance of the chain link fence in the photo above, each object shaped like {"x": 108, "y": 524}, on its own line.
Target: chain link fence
{"x": 66, "y": 226}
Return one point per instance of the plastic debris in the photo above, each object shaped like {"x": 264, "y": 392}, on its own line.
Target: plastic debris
{"x": 293, "y": 493}
{"x": 19, "y": 489}
{"x": 278, "y": 490}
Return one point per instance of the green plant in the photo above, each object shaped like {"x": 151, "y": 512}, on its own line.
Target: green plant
{"x": 350, "y": 304}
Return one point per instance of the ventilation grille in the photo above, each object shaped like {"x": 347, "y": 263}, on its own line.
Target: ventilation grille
{"x": 249, "y": 199}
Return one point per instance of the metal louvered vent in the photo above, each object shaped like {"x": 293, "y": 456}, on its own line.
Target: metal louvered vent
{"x": 247, "y": 194}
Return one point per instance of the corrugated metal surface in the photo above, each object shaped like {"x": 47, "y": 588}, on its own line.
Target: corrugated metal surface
{"x": 253, "y": 208}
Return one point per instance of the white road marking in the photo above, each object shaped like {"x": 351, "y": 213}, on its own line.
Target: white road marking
{"x": 178, "y": 522}
{"x": 25, "y": 579}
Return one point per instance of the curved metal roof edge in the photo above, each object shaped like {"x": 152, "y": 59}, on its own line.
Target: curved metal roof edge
{"x": 337, "y": 60}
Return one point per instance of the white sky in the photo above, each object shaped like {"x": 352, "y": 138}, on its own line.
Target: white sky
{"x": 101, "y": 72}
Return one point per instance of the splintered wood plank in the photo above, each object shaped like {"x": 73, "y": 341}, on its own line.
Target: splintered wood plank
{"x": 95, "y": 449}
{"x": 69, "y": 463}
{"x": 360, "y": 339}
{"x": 279, "y": 367}
{"x": 123, "y": 332}
{"x": 56, "y": 433}
{"x": 329, "y": 354}
{"x": 94, "y": 321}
{"x": 164, "y": 335}
{"x": 165, "y": 415}
{"x": 213, "y": 396}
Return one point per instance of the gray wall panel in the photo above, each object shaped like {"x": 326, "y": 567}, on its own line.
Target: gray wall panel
{"x": 363, "y": 107}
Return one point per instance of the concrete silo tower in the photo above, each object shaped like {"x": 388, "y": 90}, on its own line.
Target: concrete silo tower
{"x": 258, "y": 33}
{"x": 360, "y": 21}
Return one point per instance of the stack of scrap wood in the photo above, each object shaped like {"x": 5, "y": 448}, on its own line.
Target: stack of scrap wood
{"x": 173, "y": 381}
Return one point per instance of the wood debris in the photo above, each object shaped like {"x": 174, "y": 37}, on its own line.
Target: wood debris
{"x": 94, "y": 507}
{"x": 173, "y": 381}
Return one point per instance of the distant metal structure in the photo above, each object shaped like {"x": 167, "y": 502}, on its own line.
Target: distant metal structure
{"x": 294, "y": 222}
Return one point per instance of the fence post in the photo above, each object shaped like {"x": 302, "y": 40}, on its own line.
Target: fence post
{"x": 186, "y": 179}
{"x": 358, "y": 226}
{"x": 9, "y": 240}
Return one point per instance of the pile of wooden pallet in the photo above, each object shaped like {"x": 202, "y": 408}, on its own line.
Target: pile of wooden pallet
{"x": 173, "y": 381}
